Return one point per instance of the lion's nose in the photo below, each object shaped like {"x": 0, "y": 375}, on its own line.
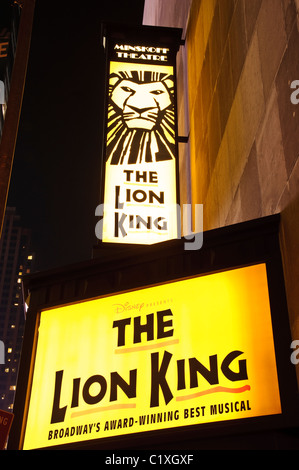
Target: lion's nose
{"x": 140, "y": 110}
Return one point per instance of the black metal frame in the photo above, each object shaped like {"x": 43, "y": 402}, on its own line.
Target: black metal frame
{"x": 120, "y": 270}
{"x": 141, "y": 35}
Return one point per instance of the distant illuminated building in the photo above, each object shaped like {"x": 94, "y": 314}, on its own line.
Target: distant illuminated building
{"x": 9, "y": 26}
{"x": 15, "y": 261}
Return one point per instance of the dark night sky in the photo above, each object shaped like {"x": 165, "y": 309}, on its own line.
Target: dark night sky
{"x": 55, "y": 181}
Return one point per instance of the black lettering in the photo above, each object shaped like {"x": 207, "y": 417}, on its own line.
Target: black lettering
{"x": 141, "y": 176}
{"x": 160, "y": 227}
{"x": 75, "y": 397}
{"x": 121, "y": 325}
{"x": 153, "y": 177}
{"x": 139, "y": 195}
{"x": 211, "y": 375}
{"x": 161, "y": 333}
{"x": 118, "y": 205}
{"x": 181, "y": 374}
{"x": 119, "y": 225}
{"x": 158, "y": 378}
{"x": 89, "y": 399}
{"x": 147, "y": 224}
{"x": 152, "y": 196}
{"x": 147, "y": 328}
{"x": 128, "y": 388}
{"x": 128, "y": 174}
{"x": 58, "y": 414}
{"x": 231, "y": 375}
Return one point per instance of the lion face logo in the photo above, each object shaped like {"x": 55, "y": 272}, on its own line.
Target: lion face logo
{"x": 140, "y": 118}
{"x": 140, "y": 103}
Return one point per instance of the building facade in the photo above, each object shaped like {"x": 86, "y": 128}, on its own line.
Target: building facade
{"x": 9, "y": 26}
{"x": 15, "y": 37}
{"x": 238, "y": 107}
{"x": 15, "y": 261}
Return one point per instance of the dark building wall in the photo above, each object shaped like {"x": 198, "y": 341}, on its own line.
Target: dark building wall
{"x": 13, "y": 71}
{"x": 241, "y": 58}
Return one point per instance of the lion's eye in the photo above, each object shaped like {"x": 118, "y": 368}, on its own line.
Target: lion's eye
{"x": 126, "y": 88}
{"x": 157, "y": 92}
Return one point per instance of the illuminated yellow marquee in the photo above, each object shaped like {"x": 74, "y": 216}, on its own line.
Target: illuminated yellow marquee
{"x": 140, "y": 172}
{"x": 189, "y": 352}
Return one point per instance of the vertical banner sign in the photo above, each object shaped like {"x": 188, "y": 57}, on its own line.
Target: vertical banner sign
{"x": 4, "y": 44}
{"x": 140, "y": 193}
{"x": 5, "y": 21}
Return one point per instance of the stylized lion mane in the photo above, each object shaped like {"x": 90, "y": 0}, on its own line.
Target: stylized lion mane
{"x": 136, "y": 145}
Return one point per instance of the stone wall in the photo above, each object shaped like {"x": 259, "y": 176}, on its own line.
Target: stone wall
{"x": 241, "y": 57}
{"x": 175, "y": 14}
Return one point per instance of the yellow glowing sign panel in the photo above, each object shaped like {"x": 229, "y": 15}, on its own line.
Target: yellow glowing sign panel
{"x": 140, "y": 172}
{"x": 189, "y": 352}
